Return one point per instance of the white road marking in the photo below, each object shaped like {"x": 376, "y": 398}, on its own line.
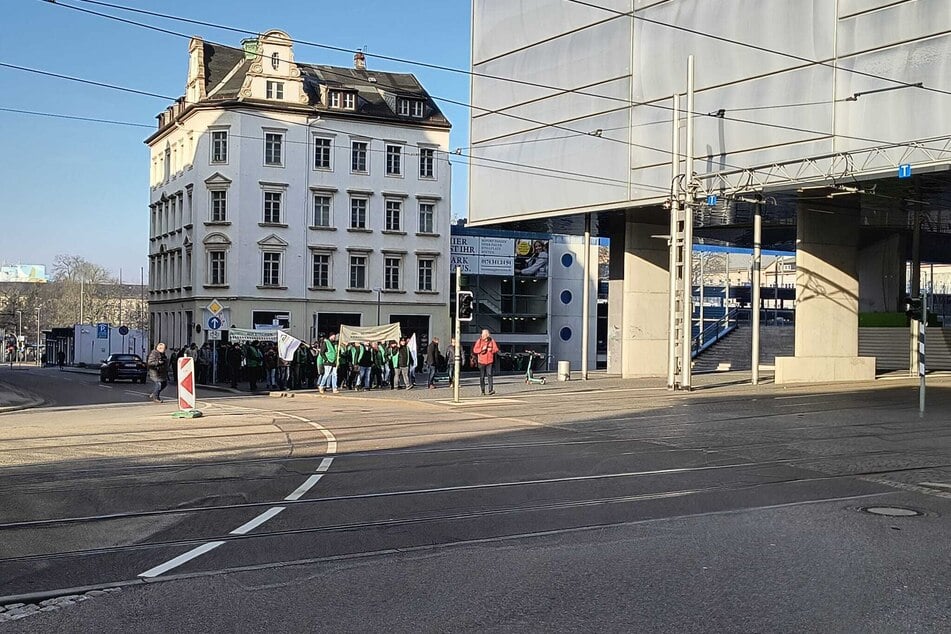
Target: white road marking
{"x": 257, "y": 521}
{"x": 181, "y": 559}
{"x": 304, "y": 488}
{"x": 108, "y": 387}
{"x": 267, "y": 515}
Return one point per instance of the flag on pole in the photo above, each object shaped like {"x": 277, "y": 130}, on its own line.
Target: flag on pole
{"x": 287, "y": 345}
{"x": 411, "y": 346}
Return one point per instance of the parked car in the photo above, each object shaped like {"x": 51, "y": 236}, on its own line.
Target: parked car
{"x": 123, "y": 366}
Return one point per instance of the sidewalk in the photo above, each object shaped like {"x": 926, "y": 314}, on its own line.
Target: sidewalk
{"x": 13, "y": 399}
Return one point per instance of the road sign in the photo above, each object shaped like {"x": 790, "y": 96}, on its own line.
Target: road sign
{"x": 215, "y": 307}
{"x": 102, "y": 331}
{"x": 904, "y": 170}
{"x": 214, "y": 335}
{"x": 186, "y": 383}
{"x": 214, "y": 323}
{"x": 711, "y": 200}
{"x": 123, "y": 330}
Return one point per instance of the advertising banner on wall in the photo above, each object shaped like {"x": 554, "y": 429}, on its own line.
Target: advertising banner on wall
{"x": 482, "y": 256}
{"x": 531, "y": 258}
{"x": 35, "y": 273}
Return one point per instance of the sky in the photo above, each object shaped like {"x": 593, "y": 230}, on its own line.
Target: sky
{"x": 81, "y": 188}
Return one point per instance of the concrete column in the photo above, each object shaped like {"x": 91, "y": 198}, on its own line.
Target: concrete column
{"x": 827, "y": 298}
{"x": 645, "y": 317}
{"x": 615, "y": 233}
{"x": 882, "y": 276}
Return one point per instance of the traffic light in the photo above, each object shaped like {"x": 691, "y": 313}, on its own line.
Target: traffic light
{"x": 464, "y": 308}
{"x": 913, "y": 308}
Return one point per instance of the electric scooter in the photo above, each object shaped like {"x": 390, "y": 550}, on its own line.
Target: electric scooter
{"x": 529, "y": 375}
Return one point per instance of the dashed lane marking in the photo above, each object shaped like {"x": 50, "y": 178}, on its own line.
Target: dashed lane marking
{"x": 269, "y": 514}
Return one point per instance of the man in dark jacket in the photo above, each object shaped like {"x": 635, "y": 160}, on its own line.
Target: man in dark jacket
{"x": 432, "y": 360}
{"x": 157, "y": 364}
{"x": 401, "y": 361}
{"x": 234, "y": 363}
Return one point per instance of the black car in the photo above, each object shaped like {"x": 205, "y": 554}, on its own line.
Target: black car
{"x": 123, "y": 366}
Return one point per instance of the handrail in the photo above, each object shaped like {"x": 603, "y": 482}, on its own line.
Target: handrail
{"x": 719, "y": 328}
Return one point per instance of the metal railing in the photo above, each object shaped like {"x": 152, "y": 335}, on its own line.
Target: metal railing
{"x": 711, "y": 334}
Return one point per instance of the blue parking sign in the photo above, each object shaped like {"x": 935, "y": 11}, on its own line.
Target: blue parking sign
{"x": 102, "y": 331}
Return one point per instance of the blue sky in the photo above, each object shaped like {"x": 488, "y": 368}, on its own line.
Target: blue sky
{"x": 81, "y": 188}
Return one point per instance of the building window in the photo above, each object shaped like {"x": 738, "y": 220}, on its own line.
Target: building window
{"x": 275, "y": 60}
{"x": 272, "y": 207}
{"x": 219, "y": 146}
{"x": 427, "y": 163}
{"x": 216, "y": 268}
{"x": 321, "y": 270}
{"x": 358, "y": 213}
{"x": 394, "y": 215}
{"x": 341, "y": 100}
{"x": 394, "y": 160}
{"x": 409, "y": 108}
{"x": 271, "y": 275}
{"x": 322, "y": 206}
{"x": 427, "y": 218}
{"x": 275, "y": 89}
{"x": 358, "y": 157}
{"x": 427, "y": 270}
{"x": 358, "y": 271}
{"x": 322, "y": 153}
{"x": 219, "y": 205}
{"x": 391, "y": 273}
{"x": 273, "y": 148}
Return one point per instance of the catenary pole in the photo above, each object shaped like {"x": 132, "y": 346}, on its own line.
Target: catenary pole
{"x": 585, "y": 299}
{"x": 686, "y": 346}
{"x": 457, "y": 352}
{"x": 674, "y": 245}
{"x": 755, "y": 279}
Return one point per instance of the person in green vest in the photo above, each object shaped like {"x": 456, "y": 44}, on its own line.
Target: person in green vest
{"x": 328, "y": 356}
{"x": 254, "y": 361}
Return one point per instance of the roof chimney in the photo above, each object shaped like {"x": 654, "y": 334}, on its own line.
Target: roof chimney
{"x": 359, "y": 60}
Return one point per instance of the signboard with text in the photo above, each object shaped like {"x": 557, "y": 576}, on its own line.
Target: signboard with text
{"x": 482, "y": 255}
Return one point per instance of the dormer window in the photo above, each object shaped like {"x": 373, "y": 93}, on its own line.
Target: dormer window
{"x": 275, "y": 89}
{"x": 275, "y": 61}
{"x": 409, "y": 107}
{"x": 341, "y": 100}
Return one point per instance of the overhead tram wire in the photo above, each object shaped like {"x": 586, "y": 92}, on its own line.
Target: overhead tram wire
{"x": 755, "y": 47}
{"x": 559, "y": 90}
{"x": 86, "y": 81}
{"x": 76, "y": 118}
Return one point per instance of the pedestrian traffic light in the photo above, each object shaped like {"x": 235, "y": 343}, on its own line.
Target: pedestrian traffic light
{"x": 464, "y": 307}
{"x": 913, "y": 308}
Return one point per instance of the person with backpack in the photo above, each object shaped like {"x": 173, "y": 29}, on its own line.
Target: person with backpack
{"x": 484, "y": 350}
{"x": 328, "y": 356}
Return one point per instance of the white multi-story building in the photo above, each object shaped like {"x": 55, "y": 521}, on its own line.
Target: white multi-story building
{"x": 297, "y": 194}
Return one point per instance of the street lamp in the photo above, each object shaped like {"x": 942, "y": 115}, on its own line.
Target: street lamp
{"x": 19, "y": 335}
{"x": 37, "y": 336}
{"x": 378, "y": 291}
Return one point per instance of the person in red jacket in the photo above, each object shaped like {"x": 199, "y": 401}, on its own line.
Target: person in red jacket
{"x": 485, "y": 350}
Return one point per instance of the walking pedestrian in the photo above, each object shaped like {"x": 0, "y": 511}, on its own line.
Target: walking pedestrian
{"x": 157, "y": 364}
{"x": 234, "y": 358}
{"x": 254, "y": 361}
{"x": 485, "y": 350}
{"x": 328, "y": 356}
{"x": 451, "y": 360}
{"x": 432, "y": 360}
{"x": 401, "y": 360}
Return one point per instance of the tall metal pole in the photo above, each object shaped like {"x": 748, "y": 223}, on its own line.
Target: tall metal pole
{"x": 702, "y": 320}
{"x": 19, "y": 347}
{"x": 457, "y": 361}
{"x": 585, "y": 298}
{"x": 921, "y": 353}
{"x": 726, "y": 291}
{"x": 674, "y": 246}
{"x": 82, "y": 292}
{"x": 685, "y": 378}
{"x": 37, "y": 337}
{"x": 755, "y": 300}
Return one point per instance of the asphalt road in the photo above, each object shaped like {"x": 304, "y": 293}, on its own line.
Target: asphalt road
{"x": 610, "y": 505}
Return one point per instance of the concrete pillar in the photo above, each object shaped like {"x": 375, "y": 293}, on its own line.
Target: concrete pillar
{"x": 615, "y": 233}
{"x": 827, "y": 298}
{"x": 645, "y": 316}
{"x": 882, "y": 276}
